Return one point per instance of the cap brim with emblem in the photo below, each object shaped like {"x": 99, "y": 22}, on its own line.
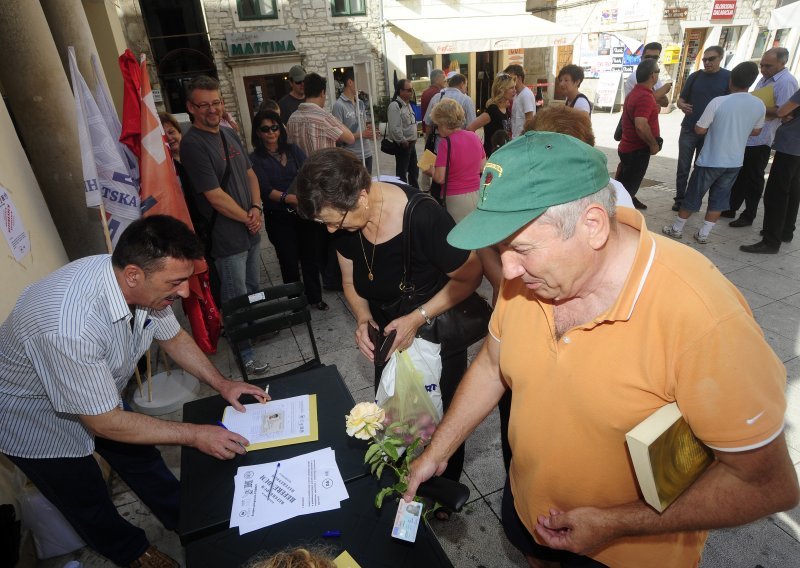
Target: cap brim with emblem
{"x": 523, "y": 179}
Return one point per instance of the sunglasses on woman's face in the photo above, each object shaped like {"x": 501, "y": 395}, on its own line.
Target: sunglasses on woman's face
{"x": 265, "y": 129}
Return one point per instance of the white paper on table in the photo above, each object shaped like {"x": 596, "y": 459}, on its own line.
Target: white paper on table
{"x": 12, "y": 227}
{"x": 304, "y": 484}
{"x": 281, "y": 419}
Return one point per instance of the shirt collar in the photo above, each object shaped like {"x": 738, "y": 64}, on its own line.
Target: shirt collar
{"x": 623, "y": 308}
{"x": 117, "y": 306}
{"x": 775, "y": 78}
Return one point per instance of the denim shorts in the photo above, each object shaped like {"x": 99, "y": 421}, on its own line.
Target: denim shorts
{"x": 716, "y": 181}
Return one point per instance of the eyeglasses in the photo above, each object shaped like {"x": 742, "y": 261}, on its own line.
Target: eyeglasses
{"x": 205, "y": 106}
{"x": 650, "y": 57}
{"x": 407, "y": 90}
{"x": 329, "y": 224}
{"x": 710, "y": 59}
{"x": 265, "y": 129}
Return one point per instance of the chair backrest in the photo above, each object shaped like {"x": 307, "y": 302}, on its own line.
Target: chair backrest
{"x": 250, "y": 316}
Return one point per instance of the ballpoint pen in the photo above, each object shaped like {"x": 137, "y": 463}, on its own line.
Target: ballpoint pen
{"x": 271, "y": 485}
{"x": 221, "y": 425}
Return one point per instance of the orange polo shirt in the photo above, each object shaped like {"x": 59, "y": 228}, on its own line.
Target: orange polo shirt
{"x": 679, "y": 331}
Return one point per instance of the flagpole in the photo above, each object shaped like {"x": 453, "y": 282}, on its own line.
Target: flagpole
{"x": 106, "y": 232}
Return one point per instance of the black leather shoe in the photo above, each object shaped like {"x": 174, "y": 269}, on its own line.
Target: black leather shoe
{"x": 740, "y": 222}
{"x": 728, "y": 214}
{"x": 759, "y": 248}
{"x": 676, "y": 206}
{"x": 638, "y": 204}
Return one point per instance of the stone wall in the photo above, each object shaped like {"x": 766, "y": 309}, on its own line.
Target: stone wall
{"x": 322, "y": 40}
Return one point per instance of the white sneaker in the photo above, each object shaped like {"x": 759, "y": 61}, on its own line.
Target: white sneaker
{"x": 700, "y": 238}
{"x": 255, "y": 367}
{"x": 670, "y": 232}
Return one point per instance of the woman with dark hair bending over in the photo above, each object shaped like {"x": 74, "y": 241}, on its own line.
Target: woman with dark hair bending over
{"x": 276, "y": 163}
{"x": 334, "y": 188}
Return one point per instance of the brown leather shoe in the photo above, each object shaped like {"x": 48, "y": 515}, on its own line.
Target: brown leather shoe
{"x": 154, "y": 558}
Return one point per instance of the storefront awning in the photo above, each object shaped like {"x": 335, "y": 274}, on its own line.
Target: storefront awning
{"x": 786, "y": 17}
{"x": 480, "y": 33}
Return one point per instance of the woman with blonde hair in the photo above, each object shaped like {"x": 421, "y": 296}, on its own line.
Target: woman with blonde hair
{"x": 459, "y": 160}
{"x": 497, "y": 116}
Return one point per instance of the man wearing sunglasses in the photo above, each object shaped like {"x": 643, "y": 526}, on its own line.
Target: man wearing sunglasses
{"x": 700, "y": 87}
{"x": 651, "y": 51}
{"x": 221, "y": 172}
{"x": 291, "y": 100}
{"x": 750, "y": 182}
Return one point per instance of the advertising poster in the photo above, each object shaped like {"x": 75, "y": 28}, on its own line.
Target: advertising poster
{"x": 606, "y": 53}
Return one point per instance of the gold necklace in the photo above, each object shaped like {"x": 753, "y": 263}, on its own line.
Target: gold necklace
{"x": 371, "y": 262}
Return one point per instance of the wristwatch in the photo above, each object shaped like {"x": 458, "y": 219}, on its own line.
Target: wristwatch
{"x": 258, "y": 206}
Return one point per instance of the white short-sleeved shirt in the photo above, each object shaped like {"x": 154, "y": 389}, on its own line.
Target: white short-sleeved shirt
{"x": 524, "y": 102}
{"x": 630, "y": 83}
{"x": 729, "y": 119}
{"x": 67, "y": 349}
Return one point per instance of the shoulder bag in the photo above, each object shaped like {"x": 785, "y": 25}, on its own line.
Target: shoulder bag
{"x": 457, "y": 328}
{"x": 389, "y": 146}
{"x": 208, "y": 230}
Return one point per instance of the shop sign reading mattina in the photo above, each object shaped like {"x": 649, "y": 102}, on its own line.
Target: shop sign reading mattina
{"x": 242, "y": 44}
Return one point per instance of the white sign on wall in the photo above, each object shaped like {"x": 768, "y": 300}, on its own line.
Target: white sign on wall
{"x": 13, "y": 229}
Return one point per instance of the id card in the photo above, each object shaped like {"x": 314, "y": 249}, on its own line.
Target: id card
{"x": 406, "y": 521}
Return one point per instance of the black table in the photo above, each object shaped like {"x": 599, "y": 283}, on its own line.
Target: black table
{"x": 207, "y": 483}
{"x": 366, "y": 535}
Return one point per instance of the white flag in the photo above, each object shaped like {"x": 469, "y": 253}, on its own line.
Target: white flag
{"x": 105, "y": 174}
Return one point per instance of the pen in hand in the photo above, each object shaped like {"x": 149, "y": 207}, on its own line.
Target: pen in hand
{"x": 221, "y": 425}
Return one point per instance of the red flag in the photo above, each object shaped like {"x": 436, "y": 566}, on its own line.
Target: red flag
{"x": 161, "y": 193}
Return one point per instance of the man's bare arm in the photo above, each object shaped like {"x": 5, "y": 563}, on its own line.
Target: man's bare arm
{"x": 644, "y": 132}
{"x": 740, "y": 488}
{"x": 184, "y": 351}
{"x": 661, "y": 94}
{"x": 134, "y": 428}
{"x": 225, "y": 205}
{"x": 479, "y": 392}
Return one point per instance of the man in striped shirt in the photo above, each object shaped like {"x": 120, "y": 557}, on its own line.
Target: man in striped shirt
{"x": 68, "y": 349}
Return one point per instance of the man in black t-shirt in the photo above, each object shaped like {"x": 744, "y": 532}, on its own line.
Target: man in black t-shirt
{"x": 291, "y": 100}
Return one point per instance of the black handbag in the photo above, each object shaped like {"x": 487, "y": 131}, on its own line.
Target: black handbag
{"x": 389, "y": 146}
{"x": 457, "y": 328}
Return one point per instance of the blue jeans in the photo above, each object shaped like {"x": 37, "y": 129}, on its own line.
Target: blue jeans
{"x": 689, "y": 145}
{"x": 716, "y": 181}
{"x": 239, "y": 275}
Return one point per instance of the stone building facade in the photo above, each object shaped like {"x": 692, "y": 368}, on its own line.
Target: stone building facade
{"x": 251, "y": 64}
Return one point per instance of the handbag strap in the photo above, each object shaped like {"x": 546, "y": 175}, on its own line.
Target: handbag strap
{"x": 386, "y": 126}
{"x": 407, "y": 284}
{"x": 446, "y": 173}
{"x": 222, "y": 183}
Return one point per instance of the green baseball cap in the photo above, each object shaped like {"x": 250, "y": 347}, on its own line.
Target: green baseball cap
{"x": 523, "y": 179}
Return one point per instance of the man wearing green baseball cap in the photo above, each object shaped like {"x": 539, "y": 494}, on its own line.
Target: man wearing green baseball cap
{"x": 598, "y": 324}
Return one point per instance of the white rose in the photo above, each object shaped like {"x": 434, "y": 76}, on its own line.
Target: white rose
{"x": 364, "y": 420}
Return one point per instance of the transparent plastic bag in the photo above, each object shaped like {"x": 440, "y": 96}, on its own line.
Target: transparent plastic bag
{"x": 410, "y": 411}
{"x": 426, "y": 359}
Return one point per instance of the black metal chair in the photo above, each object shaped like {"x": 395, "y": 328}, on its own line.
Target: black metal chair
{"x": 251, "y": 316}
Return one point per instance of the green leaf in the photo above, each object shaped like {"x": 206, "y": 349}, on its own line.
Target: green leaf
{"x": 391, "y": 452}
{"x": 395, "y": 441}
{"x": 373, "y": 449}
{"x": 400, "y": 487}
{"x": 380, "y": 470}
{"x": 381, "y": 495}
{"x": 375, "y": 466}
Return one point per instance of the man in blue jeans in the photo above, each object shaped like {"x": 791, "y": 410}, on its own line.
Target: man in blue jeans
{"x": 726, "y": 124}
{"x": 221, "y": 173}
{"x": 700, "y": 87}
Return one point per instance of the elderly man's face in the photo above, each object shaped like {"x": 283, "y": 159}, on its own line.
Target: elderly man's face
{"x": 770, "y": 65}
{"x": 552, "y": 267}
